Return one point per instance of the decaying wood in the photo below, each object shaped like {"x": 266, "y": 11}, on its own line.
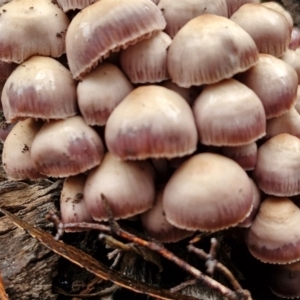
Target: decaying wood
{"x": 27, "y": 267}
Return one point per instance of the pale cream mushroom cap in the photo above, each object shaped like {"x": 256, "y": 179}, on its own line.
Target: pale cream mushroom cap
{"x": 40, "y": 88}
{"x": 228, "y": 113}
{"x": 277, "y": 167}
{"x": 292, "y": 58}
{"x": 128, "y": 187}
{"x": 275, "y": 82}
{"x": 109, "y": 26}
{"x": 100, "y": 91}
{"x": 178, "y": 13}
{"x": 208, "y": 192}
{"x": 31, "y": 27}
{"x": 234, "y": 5}
{"x": 68, "y": 147}
{"x": 269, "y": 28}
{"x": 274, "y": 236}
{"x": 152, "y": 121}
{"x": 226, "y": 49}
{"x": 16, "y": 156}
{"x": 146, "y": 61}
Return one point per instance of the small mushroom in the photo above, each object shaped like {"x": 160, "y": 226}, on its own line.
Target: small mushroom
{"x": 228, "y": 113}
{"x": 218, "y": 40}
{"x": 128, "y": 187}
{"x": 39, "y": 88}
{"x": 108, "y": 26}
{"x": 16, "y": 156}
{"x": 234, "y": 5}
{"x": 100, "y": 91}
{"x": 72, "y": 203}
{"x": 277, "y": 167}
{"x": 65, "y": 148}
{"x": 208, "y": 192}
{"x": 151, "y": 122}
{"x": 31, "y": 27}
{"x": 274, "y": 236}
{"x": 269, "y": 28}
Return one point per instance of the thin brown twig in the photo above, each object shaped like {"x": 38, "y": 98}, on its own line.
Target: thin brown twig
{"x": 183, "y": 285}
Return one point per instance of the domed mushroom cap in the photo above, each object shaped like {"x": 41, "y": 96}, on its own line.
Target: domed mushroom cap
{"x": 274, "y": 236}
{"x": 178, "y": 13}
{"x": 234, "y": 5}
{"x": 285, "y": 280}
{"x": 277, "y": 166}
{"x": 146, "y": 61}
{"x": 218, "y": 40}
{"x": 295, "y": 38}
{"x": 66, "y": 147}
{"x": 244, "y": 155}
{"x": 72, "y": 203}
{"x": 67, "y": 5}
{"x": 152, "y": 121}
{"x": 128, "y": 187}
{"x": 208, "y": 192}
{"x": 274, "y": 82}
{"x": 292, "y": 58}
{"x": 269, "y": 29}
{"x": 40, "y": 88}
{"x": 31, "y": 27}
{"x": 228, "y": 113}
{"x": 16, "y": 156}
{"x": 89, "y": 37}
{"x": 100, "y": 92}
{"x": 156, "y": 225}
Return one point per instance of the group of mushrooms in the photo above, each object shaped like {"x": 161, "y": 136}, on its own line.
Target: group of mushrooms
{"x": 182, "y": 112}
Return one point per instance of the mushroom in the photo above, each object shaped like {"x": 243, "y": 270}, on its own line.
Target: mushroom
{"x": 40, "y": 87}
{"x": 292, "y": 58}
{"x": 234, "y": 5}
{"x": 228, "y": 113}
{"x": 275, "y": 82}
{"x": 108, "y": 26}
{"x": 72, "y": 203}
{"x": 155, "y": 224}
{"x": 100, "y": 91}
{"x": 277, "y": 167}
{"x": 269, "y": 28}
{"x": 218, "y": 40}
{"x": 128, "y": 187}
{"x": 152, "y": 121}
{"x": 31, "y": 27}
{"x": 16, "y": 156}
{"x": 68, "y": 147}
{"x": 146, "y": 61}
{"x": 274, "y": 236}
{"x": 295, "y": 38}
{"x": 193, "y": 201}
{"x": 67, "y": 5}
{"x": 178, "y": 13}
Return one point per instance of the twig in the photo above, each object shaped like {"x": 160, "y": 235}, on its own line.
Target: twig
{"x": 183, "y": 285}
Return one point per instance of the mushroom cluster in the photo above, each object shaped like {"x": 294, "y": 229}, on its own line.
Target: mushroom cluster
{"x": 184, "y": 113}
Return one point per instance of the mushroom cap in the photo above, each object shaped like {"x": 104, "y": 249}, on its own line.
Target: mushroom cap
{"x": 40, "y": 87}
{"x": 286, "y": 123}
{"x": 72, "y": 204}
{"x": 285, "y": 280}
{"x": 277, "y": 166}
{"x": 109, "y": 26}
{"x": 31, "y": 27}
{"x": 218, "y": 40}
{"x": 152, "y": 121}
{"x": 67, "y": 5}
{"x": 228, "y": 113}
{"x": 100, "y": 91}
{"x": 274, "y": 236}
{"x": 155, "y": 224}
{"x": 234, "y": 5}
{"x": 275, "y": 82}
{"x": 295, "y": 38}
{"x": 146, "y": 61}
{"x": 244, "y": 155}
{"x": 178, "y": 13}
{"x": 77, "y": 148}
{"x": 16, "y": 156}
{"x": 292, "y": 58}
{"x": 208, "y": 192}
{"x": 128, "y": 187}
{"x": 269, "y": 28}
